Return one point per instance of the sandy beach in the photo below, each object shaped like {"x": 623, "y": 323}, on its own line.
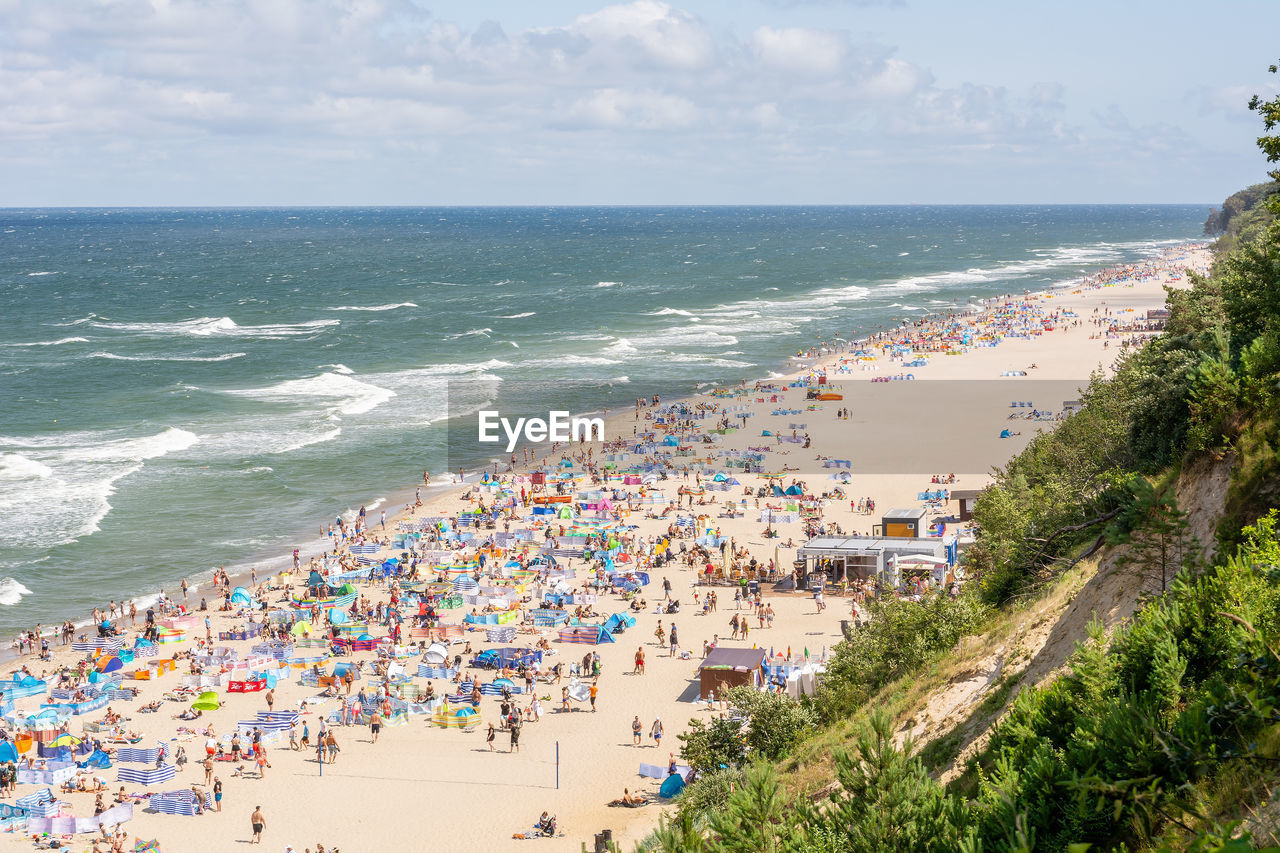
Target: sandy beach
{"x": 421, "y": 786}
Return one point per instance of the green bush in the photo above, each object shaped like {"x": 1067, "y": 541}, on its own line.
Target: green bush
{"x": 774, "y": 721}
{"x": 899, "y": 637}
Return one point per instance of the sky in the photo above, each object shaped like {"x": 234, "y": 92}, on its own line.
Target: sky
{"x": 414, "y": 102}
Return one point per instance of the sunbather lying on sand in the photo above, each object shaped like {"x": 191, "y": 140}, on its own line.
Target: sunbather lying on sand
{"x": 628, "y": 799}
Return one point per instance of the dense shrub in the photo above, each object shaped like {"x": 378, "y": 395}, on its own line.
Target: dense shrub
{"x": 898, "y": 637}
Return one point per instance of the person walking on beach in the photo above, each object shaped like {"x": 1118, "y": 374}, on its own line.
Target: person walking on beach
{"x": 513, "y": 726}
{"x": 595, "y": 689}
{"x": 675, "y": 643}
{"x": 217, "y": 794}
{"x": 259, "y": 822}
{"x": 490, "y": 737}
{"x": 656, "y": 732}
{"x": 637, "y": 731}
{"x": 375, "y": 726}
{"x": 639, "y": 670}
{"x": 666, "y": 589}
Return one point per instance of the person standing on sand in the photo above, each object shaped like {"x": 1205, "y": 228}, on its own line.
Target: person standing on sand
{"x": 217, "y": 794}
{"x": 595, "y": 689}
{"x": 639, "y": 669}
{"x": 259, "y": 822}
{"x": 675, "y": 643}
{"x": 513, "y": 726}
{"x": 637, "y": 731}
{"x": 656, "y": 732}
{"x": 271, "y": 700}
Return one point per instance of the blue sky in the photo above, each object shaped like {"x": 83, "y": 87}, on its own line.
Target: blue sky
{"x": 176, "y": 102}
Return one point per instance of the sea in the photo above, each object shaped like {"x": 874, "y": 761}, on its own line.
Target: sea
{"x": 191, "y": 388}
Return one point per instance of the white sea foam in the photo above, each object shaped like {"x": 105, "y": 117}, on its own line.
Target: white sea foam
{"x": 204, "y": 327}
{"x": 389, "y": 307}
{"x": 58, "y": 488}
{"x": 11, "y": 592}
{"x": 686, "y": 336}
{"x": 569, "y": 360}
{"x": 450, "y": 369}
{"x": 607, "y": 283}
{"x": 1043, "y": 260}
{"x": 43, "y": 272}
{"x": 16, "y": 467}
{"x": 344, "y": 394}
{"x": 338, "y": 368}
{"x": 621, "y": 346}
{"x": 669, "y": 311}
{"x": 516, "y": 316}
{"x": 470, "y": 333}
{"x": 304, "y": 441}
{"x": 58, "y": 342}
{"x": 210, "y": 358}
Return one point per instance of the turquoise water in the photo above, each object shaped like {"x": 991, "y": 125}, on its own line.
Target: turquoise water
{"x": 193, "y": 388}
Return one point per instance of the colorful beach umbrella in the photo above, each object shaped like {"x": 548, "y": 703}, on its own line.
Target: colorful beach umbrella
{"x": 207, "y": 701}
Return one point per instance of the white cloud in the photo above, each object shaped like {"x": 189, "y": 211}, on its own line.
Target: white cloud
{"x": 198, "y": 87}
{"x": 894, "y": 79}
{"x": 1047, "y": 95}
{"x": 798, "y": 50}
{"x": 642, "y": 110}
{"x": 648, "y": 31}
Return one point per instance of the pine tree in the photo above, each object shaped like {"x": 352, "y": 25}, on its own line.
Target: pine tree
{"x": 887, "y": 802}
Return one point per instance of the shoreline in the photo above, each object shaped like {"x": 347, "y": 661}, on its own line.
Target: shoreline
{"x": 791, "y": 368}
{"x": 593, "y": 750}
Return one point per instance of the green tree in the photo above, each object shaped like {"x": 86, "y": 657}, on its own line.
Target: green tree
{"x": 1270, "y": 113}
{"x": 710, "y": 746}
{"x": 1161, "y": 544}
{"x": 758, "y": 819}
{"x": 774, "y": 721}
{"x": 886, "y": 802}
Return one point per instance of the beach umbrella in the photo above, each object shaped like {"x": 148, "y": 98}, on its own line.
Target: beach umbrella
{"x": 65, "y": 739}
{"x": 207, "y": 701}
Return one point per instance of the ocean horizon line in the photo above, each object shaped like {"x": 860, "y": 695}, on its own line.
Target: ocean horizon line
{"x": 606, "y": 205}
